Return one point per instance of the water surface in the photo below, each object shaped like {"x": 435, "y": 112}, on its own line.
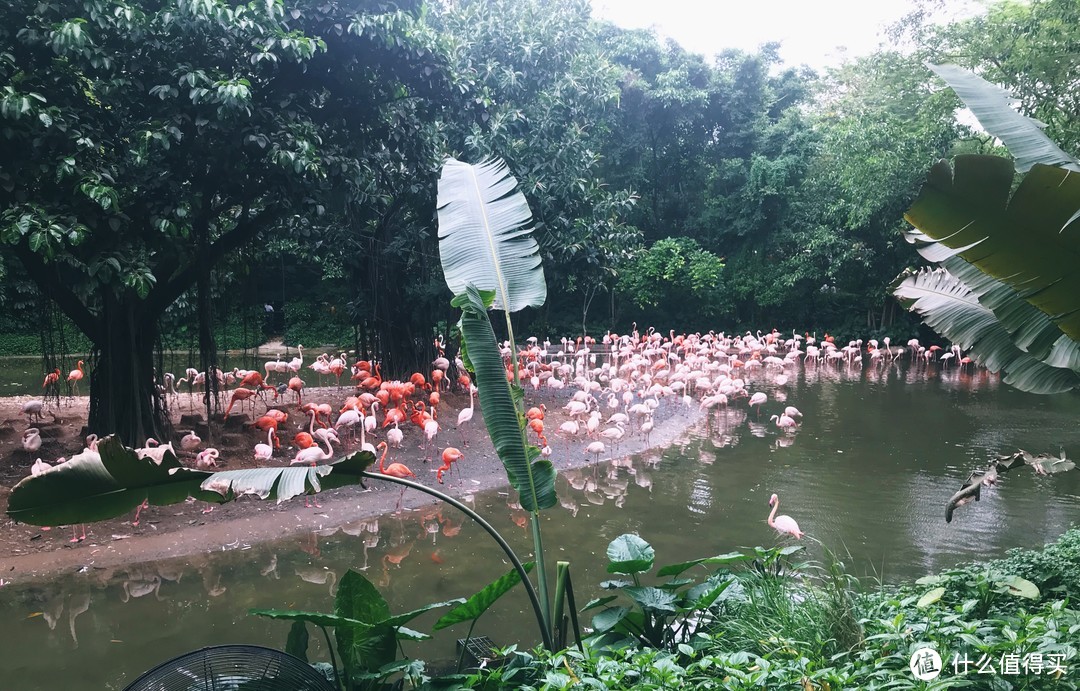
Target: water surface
{"x": 869, "y": 471}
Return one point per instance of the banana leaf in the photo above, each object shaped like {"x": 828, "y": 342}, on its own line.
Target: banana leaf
{"x": 483, "y": 240}
{"x": 992, "y": 106}
{"x": 533, "y": 479}
{"x": 949, "y": 307}
{"x": 1031, "y": 242}
{"x": 94, "y": 487}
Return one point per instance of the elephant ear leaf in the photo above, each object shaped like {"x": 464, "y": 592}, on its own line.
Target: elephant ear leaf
{"x": 483, "y": 238}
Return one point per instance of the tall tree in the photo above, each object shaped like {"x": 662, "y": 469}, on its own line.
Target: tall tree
{"x": 144, "y": 141}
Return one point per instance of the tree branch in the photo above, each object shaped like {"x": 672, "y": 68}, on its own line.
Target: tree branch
{"x": 167, "y": 292}
{"x": 48, "y": 279}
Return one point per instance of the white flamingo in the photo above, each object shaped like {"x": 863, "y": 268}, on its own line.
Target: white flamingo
{"x": 782, "y": 524}
{"x": 466, "y": 415}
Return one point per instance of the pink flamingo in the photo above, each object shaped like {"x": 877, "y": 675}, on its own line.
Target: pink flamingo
{"x": 782, "y": 524}
{"x": 466, "y": 415}
{"x": 75, "y": 376}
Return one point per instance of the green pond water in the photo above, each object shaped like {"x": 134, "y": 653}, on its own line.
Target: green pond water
{"x": 869, "y": 472}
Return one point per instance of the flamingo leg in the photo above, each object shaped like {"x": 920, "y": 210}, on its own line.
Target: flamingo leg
{"x": 144, "y": 505}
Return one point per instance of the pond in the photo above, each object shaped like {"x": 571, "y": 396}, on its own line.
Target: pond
{"x": 868, "y": 473}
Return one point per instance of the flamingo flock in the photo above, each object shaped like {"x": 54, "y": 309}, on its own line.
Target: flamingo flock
{"x": 614, "y": 389}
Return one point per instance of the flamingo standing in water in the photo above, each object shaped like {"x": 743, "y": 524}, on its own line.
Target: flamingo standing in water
{"x": 782, "y": 524}
{"x": 75, "y": 376}
{"x": 758, "y": 400}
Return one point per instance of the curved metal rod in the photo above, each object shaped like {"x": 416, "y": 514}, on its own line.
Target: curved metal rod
{"x": 529, "y": 588}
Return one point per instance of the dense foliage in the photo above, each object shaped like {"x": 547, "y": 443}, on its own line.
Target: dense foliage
{"x": 290, "y": 159}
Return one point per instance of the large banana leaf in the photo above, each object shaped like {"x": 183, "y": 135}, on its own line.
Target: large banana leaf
{"x": 1030, "y": 242}
{"x": 483, "y": 240}
{"x": 1031, "y": 330}
{"x": 992, "y": 106}
{"x": 949, "y": 307}
{"x": 533, "y": 479}
{"x": 93, "y": 487}
{"x": 88, "y": 488}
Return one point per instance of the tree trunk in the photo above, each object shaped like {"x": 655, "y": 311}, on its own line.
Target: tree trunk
{"x": 124, "y": 398}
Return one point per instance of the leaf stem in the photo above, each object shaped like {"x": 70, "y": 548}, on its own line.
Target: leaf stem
{"x": 538, "y": 610}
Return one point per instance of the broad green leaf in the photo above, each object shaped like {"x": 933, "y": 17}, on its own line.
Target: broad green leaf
{"x": 95, "y": 487}
{"x": 629, "y": 554}
{"x": 317, "y": 618}
{"x": 992, "y": 106}
{"x": 398, "y": 619}
{"x": 609, "y": 618}
{"x": 1021, "y": 587}
{"x": 947, "y": 305}
{"x": 728, "y": 558}
{"x": 653, "y": 599}
{"x": 1030, "y": 329}
{"x": 478, "y": 604}
{"x": 705, "y": 600}
{"x": 599, "y": 602}
{"x": 372, "y": 645}
{"x": 930, "y": 597}
{"x": 533, "y": 479}
{"x": 932, "y": 579}
{"x": 483, "y": 241}
{"x": 1030, "y": 241}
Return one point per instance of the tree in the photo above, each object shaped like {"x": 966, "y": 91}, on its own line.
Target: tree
{"x": 541, "y": 94}
{"x": 143, "y": 142}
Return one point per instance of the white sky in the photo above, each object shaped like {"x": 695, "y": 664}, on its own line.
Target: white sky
{"x": 816, "y": 32}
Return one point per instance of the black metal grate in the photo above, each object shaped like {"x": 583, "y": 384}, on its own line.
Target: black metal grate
{"x": 229, "y": 667}
{"x": 479, "y": 649}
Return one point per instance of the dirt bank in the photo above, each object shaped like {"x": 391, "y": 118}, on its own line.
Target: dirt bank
{"x": 29, "y": 552}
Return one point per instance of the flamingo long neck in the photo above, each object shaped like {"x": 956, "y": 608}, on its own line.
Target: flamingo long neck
{"x": 329, "y": 449}
{"x": 270, "y": 437}
{"x": 772, "y": 514}
{"x": 470, "y": 398}
{"x": 311, "y": 425}
{"x": 382, "y": 460}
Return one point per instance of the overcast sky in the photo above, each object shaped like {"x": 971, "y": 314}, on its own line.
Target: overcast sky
{"x": 815, "y": 32}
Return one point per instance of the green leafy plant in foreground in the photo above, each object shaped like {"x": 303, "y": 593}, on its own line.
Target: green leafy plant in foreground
{"x": 367, "y": 635}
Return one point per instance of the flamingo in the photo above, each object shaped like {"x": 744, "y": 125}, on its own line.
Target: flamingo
{"x": 297, "y": 362}
{"x": 190, "y": 441}
{"x": 313, "y": 455}
{"x": 792, "y": 411}
{"x": 75, "y": 376}
{"x": 33, "y": 410}
{"x": 39, "y": 467}
{"x": 31, "y": 440}
{"x": 596, "y": 448}
{"x": 296, "y": 384}
{"x": 466, "y": 415}
{"x": 758, "y": 400}
{"x": 450, "y": 455}
{"x": 398, "y": 470}
{"x": 155, "y": 452}
{"x": 394, "y": 436}
{"x": 784, "y": 422}
{"x": 263, "y": 452}
{"x": 51, "y": 378}
{"x": 207, "y": 459}
{"x": 782, "y": 524}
